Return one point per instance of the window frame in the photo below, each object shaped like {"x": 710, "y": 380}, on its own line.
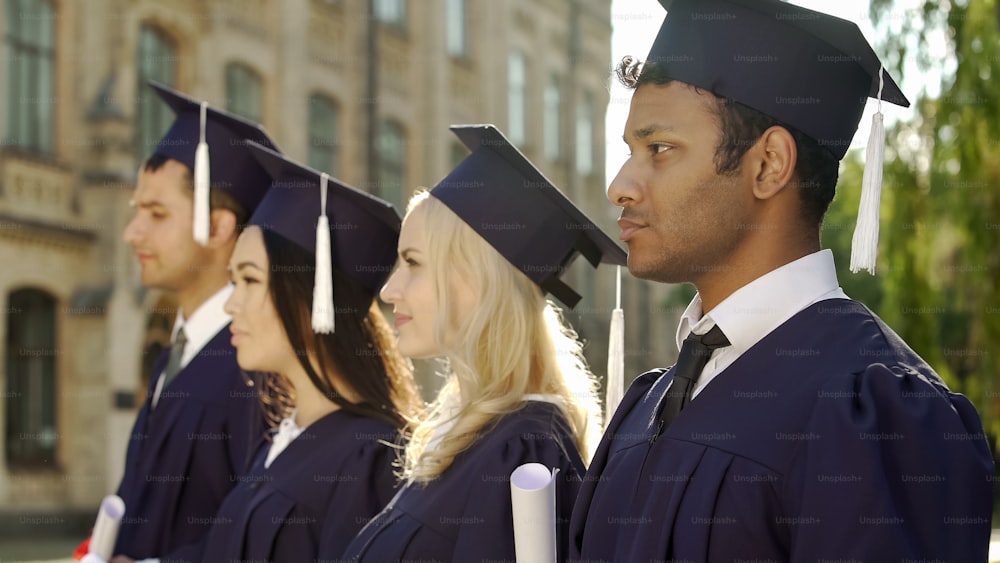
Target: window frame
{"x": 390, "y": 166}
{"x": 30, "y": 124}
{"x": 320, "y": 143}
{"x": 151, "y": 111}
{"x": 457, "y": 39}
{"x": 517, "y": 98}
{"x": 552, "y": 145}
{"x": 585, "y": 165}
{"x": 25, "y": 365}
{"x": 392, "y": 13}
{"x": 244, "y": 86}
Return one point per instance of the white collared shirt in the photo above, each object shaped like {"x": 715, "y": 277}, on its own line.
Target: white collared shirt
{"x": 200, "y": 328}
{"x": 756, "y": 309}
{"x": 285, "y": 434}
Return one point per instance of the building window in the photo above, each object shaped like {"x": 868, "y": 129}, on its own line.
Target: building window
{"x": 324, "y": 151}
{"x": 391, "y": 12}
{"x": 551, "y": 119}
{"x": 155, "y": 60}
{"x": 585, "y": 135}
{"x": 456, "y": 25}
{"x": 516, "y": 94}
{"x": 30, "y": 75}
{"x": 391, "y": 161}
{"x": 244, "y": 92}
{"x": 458, "y": 154}
{"x": 31, "y": 436}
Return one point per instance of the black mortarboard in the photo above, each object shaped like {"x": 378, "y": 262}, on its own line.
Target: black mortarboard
{"x": 809, "y": 70}
{"x": 233, "y": 168}
{"x": 363, "y": 230}
{"x": 512, "y": 205}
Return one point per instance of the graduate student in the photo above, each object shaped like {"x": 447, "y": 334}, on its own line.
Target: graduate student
{"x": 477, "y": 253}
{"x": 338, "y": 393}
{"x": 198, "y": 425}
{"x": 796, "y": 425}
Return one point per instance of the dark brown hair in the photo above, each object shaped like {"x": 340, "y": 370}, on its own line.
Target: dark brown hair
{"x": 217, "y": 198}
{"x": 361, "y": 351}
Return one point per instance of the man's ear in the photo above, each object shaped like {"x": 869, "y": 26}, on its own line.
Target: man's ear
{"x": 223, "y": 228}
{"x": 774, "y": 157}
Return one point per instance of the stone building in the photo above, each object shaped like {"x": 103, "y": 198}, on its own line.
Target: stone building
{"x": 364, "y": 89}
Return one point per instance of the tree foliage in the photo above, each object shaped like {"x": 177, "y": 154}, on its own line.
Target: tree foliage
{"x": 939, "y": 255}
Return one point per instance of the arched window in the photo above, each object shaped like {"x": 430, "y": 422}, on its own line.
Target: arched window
{"x": 156, "y": 59}
{"x": 517, "y": 76}
{"x": 585, "y": 135}
{"x": 31, "y": 433}
{"x": 324, "y": 151}
{"x": 552, "y": 102}
{"x": 244, "y": 92}
{"x": 391, "y": 161}
{"x": 30, "y": 75}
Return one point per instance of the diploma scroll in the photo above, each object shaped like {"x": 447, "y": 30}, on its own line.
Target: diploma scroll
{"x": 533, "y": 499}
{"x": 105, "y": 534}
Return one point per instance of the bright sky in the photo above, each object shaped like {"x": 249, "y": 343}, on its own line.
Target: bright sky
{"x": 635, "y": 23}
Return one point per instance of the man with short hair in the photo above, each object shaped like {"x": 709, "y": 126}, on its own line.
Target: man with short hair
{"x": 201, "y": 420}
{"x": 796, "y": 425}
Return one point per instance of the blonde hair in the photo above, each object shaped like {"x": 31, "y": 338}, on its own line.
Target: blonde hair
{"x": 514, "y": 343}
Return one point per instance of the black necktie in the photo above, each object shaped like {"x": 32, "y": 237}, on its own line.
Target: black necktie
{"x": 695, "y": 351}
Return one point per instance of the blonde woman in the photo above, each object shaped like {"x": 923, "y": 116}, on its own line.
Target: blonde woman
{"x": 476, "y": 255}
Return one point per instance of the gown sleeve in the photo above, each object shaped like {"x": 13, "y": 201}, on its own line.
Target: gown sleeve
{"x": 485, "y": 527}
{"x": 366, "y": 487}
{"x": 895, "y": 467}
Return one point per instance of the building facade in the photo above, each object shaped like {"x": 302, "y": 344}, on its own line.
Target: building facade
{"x": 364, "y": 89}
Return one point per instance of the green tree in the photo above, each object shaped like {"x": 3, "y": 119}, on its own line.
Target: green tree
{"x": 939, "y": 265}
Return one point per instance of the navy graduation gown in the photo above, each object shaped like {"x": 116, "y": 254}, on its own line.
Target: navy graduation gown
{"x": 465, "y": 516}
{"x": 183, "y": 456}
{"x": 830, "y": 440}
{"x": 317, "y": 493}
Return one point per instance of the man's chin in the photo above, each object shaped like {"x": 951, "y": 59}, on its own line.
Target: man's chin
{"x": 643, "y": 269}
{"x": 152, "y": 281}
{"x": 657, "y": 272}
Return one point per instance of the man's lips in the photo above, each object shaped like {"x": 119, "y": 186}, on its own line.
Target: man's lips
{"x": 629, "y": 227}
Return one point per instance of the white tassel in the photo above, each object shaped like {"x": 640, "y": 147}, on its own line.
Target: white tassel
{"x": 202, "y": 183}
{"x": 616, "y": 355}
{"x": 322, "y": 312}
{"x": 864, "y": 246}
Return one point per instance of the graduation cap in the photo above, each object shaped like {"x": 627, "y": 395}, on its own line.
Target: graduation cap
{"x": 518, "y": 211}
{"x": 199, "y": 129}
{"x": 809, "y": 70}
{"x": 345, "y": 228}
